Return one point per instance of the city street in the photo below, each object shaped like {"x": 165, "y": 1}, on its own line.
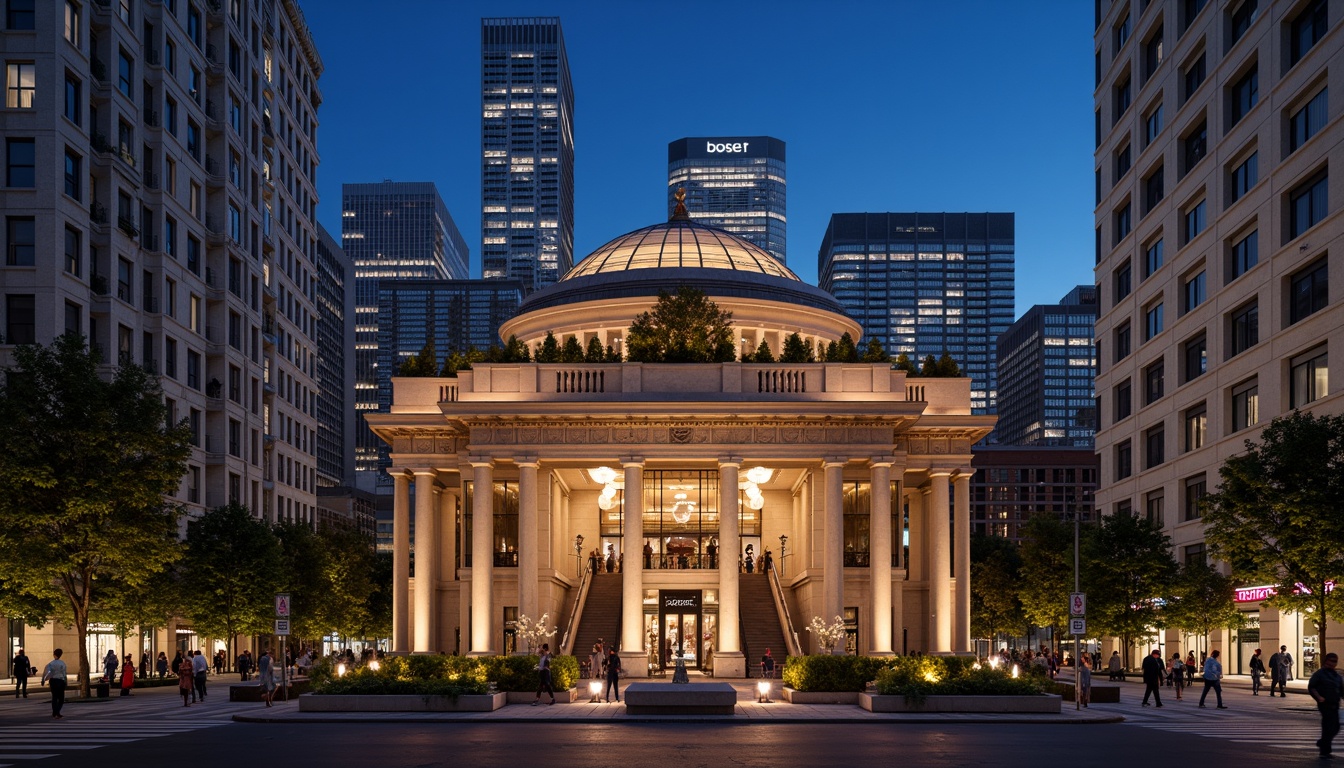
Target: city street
{"x": 152, "y": 728}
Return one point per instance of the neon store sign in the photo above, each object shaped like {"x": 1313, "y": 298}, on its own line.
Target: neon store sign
{"x": 1263, "y": 593}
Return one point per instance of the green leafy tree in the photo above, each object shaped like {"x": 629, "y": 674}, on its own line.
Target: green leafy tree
{"x": 1202, "y": 601}
{"x": 233, "y": 575}
{"x": 1277, "y": 515}
{"x": 875, "y": 352}
{"x": 595, "y": 353}
{"x": 929, "y": 367}
{"x": 795, "y": 350}
{"x": 903, "y": 363}
{"x": 348, "y": 577}
{"x": 1047, "y": 571}
{"x": 379, "y": 603}
{"x": 572, "y": 351}
{"x": 612, "y": 355}
{"x": 426, "y": 363}
{"x": 516, "y": 351}
{"x": 947, "y": 367}
{"x": 149, "y": 605}
{"x": 303, "y": 569}
{"x": 763, "y": 354}
{"x": 996, "y": 566}
{"x": 685, "y": 327}
{"x": 842, "y": 350}
{"x": 1129, "y": 571}
{"x": 86, "y": 470}
{"x": 550, "y": 349}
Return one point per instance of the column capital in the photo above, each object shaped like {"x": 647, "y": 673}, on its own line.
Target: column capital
{"x": 418, "y": 471}
{"x": 632, "y": 461}
{"x": 965, "y": 473}
{"x": 399, "y": 472}
{"x": 831, "y": 461}
{"x": 881, "y": 461}
{"x": 730, "y": 461}
{"x": 936, "y": 472}
{"x": 481, "y": 461}
{"x": 527, "y": 461}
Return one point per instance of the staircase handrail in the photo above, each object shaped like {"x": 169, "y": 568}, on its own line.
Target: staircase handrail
{"x": 782, "y": 609}
{"x": 571, "y": 629}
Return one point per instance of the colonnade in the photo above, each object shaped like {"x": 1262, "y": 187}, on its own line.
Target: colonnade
{"x": 934, "y": 555}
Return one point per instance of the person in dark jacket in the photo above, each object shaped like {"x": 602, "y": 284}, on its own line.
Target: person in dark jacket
{"x": 22, "y": 665}
{"x": 1153, "y": 672}
{"x": 613, "y": 675}
{"x": 1257, "y": 672}
{"x": 1325, "y": 686}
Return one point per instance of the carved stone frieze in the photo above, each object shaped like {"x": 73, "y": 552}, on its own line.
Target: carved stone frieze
{"x": 673, "y": 433}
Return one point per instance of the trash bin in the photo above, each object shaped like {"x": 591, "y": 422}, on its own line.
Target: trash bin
{"x": 104, "y": 689}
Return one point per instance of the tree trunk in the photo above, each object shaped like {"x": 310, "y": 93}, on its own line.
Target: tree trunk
{"x": 82, "y": 632}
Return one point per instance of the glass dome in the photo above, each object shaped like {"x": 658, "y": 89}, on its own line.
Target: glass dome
{"x": 679, "y": 243}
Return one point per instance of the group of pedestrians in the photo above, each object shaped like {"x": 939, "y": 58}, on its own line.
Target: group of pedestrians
{"x": 604, "y": 665}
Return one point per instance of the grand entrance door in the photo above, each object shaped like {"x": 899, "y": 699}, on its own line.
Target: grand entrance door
{"x": 679, "y": 627}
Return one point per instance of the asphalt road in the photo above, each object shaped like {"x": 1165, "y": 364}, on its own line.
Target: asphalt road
{"x": 682, "y": 745}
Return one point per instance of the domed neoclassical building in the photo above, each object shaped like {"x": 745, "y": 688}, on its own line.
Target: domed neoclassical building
{"x": 641, "y": 503}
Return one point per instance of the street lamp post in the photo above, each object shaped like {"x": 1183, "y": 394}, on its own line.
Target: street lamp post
{"x": 783, "y": 543}
{"x": 578, "y": 554}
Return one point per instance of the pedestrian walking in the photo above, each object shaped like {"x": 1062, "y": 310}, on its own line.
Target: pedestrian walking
{"x": 266, "y": 676}
{"x": 1280, "y": 671}
{"x": 110, "y": 666}
{"x": 1085, "y": 681}
{"x": 767, "y": 562}
{"x": 1325, "y": 686}
{"x": 185, "y": 678}
{"x": 1153, "y": 671}
{"x": 199, "y": 668}
{"x": 144, "y": 665}
{"x": 22, "y": 668}
{"x": 244, "y": 665}
{"x": 161, "y": 665}
{"x": 544, "y": 674}
{"x": 1177, "y": 674}
{"x": 713, "y": 551}
{"x": 1257, "y": 672}
{"x": 219, "y": 662}
{"x": 1116, "y": 667}
{"x": 1213, "y": 675}
{"x": 55, "y": 673}
{"x": 1190, "y": 668}
{"x": 127, "y": 676}
{"x": 613, "y": 675}
{"x": 177, "y": 662}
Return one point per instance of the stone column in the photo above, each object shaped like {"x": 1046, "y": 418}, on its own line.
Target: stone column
{"x": 482, "y": 558}
{"x": 919, "y": 556}
{"x": 880, "y": 553}
{"x": 961, "y": 501}
{"x": 401, "y": 562}
{"x": 633, "y": 659}
{"x": 728, "y": 658}
{"x": 559, "y": 549}
{"x": 446, "y": 535}
{"x": 833, "y": 540}
{"x": 940, "y": 563}
{"x": 529, "y": 539}
{"x": 898, "y": 644}
{"x": 426, "y": 552}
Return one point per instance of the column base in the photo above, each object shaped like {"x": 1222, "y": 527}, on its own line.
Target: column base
{"x": 732, "y": 664}
{"x": 634, "y": 663}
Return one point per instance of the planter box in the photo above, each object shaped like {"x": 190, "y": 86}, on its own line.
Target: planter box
{"x": 1101, "y": 694}
{"x": 820, "y": 697}
{"x": 1048, "y": 704}
{"x": 251, "y": 691}
{"x": 311, "y": 702}
{"x": 527, "y": 697}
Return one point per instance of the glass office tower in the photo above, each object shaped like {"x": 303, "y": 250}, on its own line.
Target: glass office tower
{"x": 335, "y": 365}
{"x": 735, "y": 183}
{"x": 390, "y": 231}
{"x": 527, "y": 152}
{"x": 1046, "y": 363}
{"x": 925, "y": 284}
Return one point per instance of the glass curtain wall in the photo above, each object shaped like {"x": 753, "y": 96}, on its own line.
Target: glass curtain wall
{"x": 504, "y": 543}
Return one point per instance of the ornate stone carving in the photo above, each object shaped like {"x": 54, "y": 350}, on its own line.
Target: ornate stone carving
{"x": 681, "y": 435}
{"x": 529, "y": 435}
{"x": 630, "y": 434}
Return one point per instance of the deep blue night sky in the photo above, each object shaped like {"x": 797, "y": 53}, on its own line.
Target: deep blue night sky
{"x": 903, "y": 105}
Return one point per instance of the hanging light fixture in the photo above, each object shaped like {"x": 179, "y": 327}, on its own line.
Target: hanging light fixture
{"x": 602, "y": 475}
{"x": 759, "y": 475}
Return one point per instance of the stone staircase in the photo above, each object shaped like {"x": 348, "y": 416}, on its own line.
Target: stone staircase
{"x": 601, "y": 616}
{"x": 760, "y": 623}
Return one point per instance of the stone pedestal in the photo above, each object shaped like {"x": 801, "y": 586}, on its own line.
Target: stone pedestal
{"x": 730, "y": 664}
{"x": 634, "y": 663}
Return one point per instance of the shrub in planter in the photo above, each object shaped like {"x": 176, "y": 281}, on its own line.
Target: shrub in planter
{"x": 417, "y": 675}
{"x": 830, "y": 672}
{"x": 519, "y": 673}
{"x": 916, "y": 677}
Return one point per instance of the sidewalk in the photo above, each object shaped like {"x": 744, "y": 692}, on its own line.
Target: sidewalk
{"x": 1237, "y": 682}
{"x": 749, "y": 712}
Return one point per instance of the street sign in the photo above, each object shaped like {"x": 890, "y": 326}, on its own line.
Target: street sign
{"x": 282, "y": 606}
{"x": 282, "y": 627}
{"x": 1078, "y": 627}
{"x": 1077, "y": 604}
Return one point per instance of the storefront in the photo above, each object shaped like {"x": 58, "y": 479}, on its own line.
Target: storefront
{"x": 682, "y": 626}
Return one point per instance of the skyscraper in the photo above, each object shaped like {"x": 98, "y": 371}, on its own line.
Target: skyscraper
{"x": 1046, "y": 362}
{"x": 734, "y": 183}
{"x": 527, "y": 152}
{"x": 142, "y": 210}
{"x": 927, "y": 283}
{"x": 390, "y": 231}
{"x": 335, "y": 366}
{"x": 1217, "y": 242}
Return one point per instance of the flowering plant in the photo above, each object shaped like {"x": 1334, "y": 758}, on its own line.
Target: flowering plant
{"x": 827, "y": 634}
{"x": 533, "y": 634}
